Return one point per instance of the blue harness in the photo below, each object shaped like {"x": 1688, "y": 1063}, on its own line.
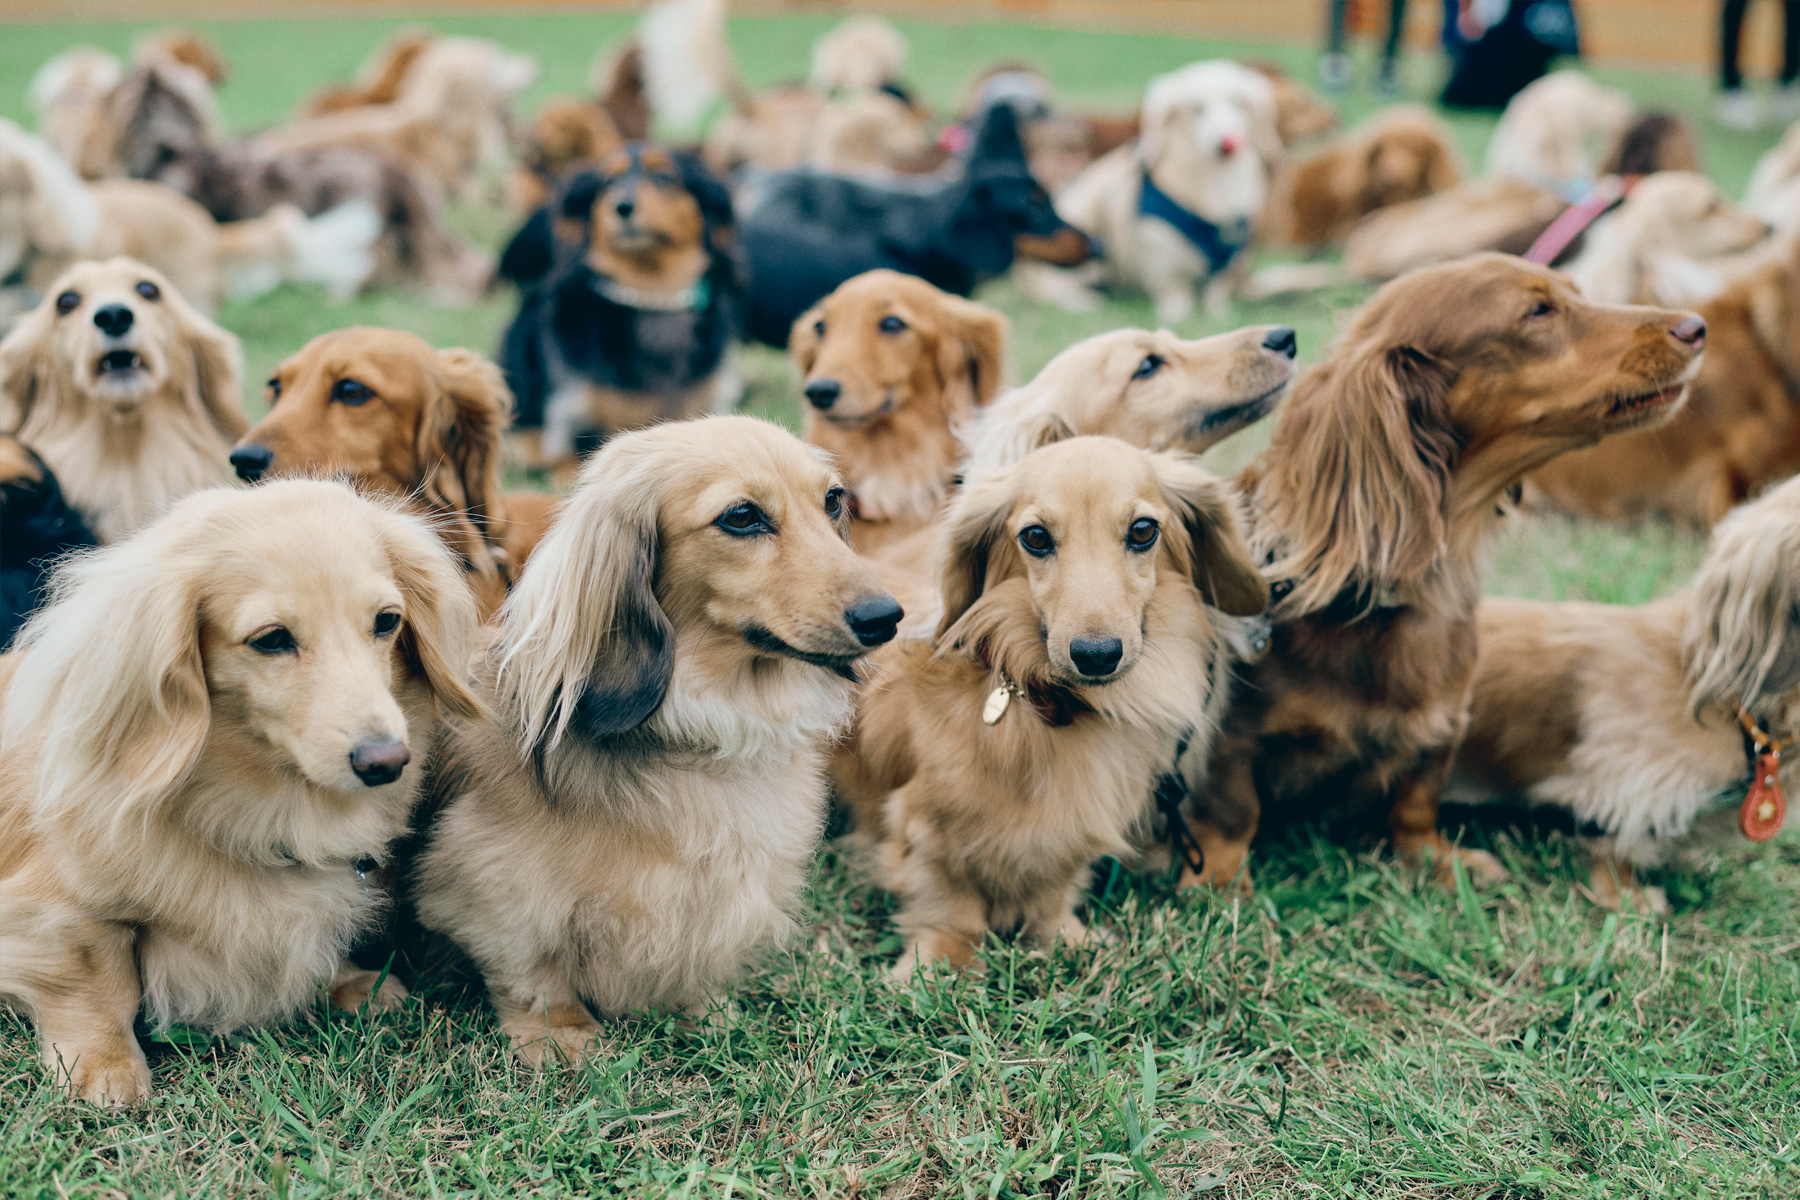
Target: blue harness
{"x": 1219, "y": 243}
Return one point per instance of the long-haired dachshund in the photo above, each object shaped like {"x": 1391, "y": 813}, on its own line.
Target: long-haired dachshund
{"x": 1077, "y": 651}
{"x": 204, "y": 751}
{"x": 129, "y": 394}
{"x": 389, "y": 411}
{"x": 1649, "y": 725}
{"x": 637, "y": 822}
{"x": 1368, "y": 511}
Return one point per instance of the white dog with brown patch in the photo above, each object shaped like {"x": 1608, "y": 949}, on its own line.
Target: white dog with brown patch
{"x": 204, "y": 751}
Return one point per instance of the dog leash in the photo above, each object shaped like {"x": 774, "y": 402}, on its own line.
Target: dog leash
{"x": 1764, "y": 807}
{"x": 1171, "y": 790}
{"x": 1574, "y": 220}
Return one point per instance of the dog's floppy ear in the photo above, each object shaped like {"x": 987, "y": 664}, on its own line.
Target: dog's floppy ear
{"x": 458, "y": 446}
{"x": 218, "y": 365}
{"x": 585, "y": 639}
{"x": 1221, "y": 564}
{"x": 25, "y": 367}
{"x": 971, "y": 534}
{"x": 574, "y": 208}
{"x": 973, "y": 347}
{"x": 119, "y": 719}
{"x": 803, "y": 340}
{"x": 998, "y": 137}
{"x": 1372, "y": 434}
{"x": 712, "y": 197}
{"x": 440, "y": 623}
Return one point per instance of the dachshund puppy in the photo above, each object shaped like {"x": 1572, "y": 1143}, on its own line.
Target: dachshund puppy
{"x": 637, "y": 821}
{"x": 1369, "y": 510}
{"x": 191, "y": 802}
{"x": 1401, "y": 153}
{"x": 1649, "y": 725}
{"x": 129, "y": 394}
{"x": 398, "y": 417}
{"x": 1075, "y": 651}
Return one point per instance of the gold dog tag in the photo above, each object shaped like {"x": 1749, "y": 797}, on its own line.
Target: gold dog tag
{"x": 996, "y": 705}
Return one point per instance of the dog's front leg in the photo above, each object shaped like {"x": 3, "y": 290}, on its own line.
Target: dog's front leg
{"x": 1615, "y": 884}
{"x": 1222, "y": 820}
{"x": 546, "y": 1020}
{"x": 939, "y": 921}
{"x": 1051, "y": 915}
{"x": 86, "y": 996}
{"x": 1412, "y": 824}
{"x": 352, "y": 987}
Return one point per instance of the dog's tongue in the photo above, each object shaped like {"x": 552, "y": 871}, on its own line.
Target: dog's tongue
{"x": 1764, "y": 806}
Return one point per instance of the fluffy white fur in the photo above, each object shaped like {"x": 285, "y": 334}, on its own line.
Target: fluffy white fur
{"x": 1557, "y": 131}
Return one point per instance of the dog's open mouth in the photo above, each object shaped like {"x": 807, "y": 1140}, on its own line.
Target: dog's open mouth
{"x": 1644, "y": 404}
{"x": 114, "y": 362}
{"x": 842, "y": 664}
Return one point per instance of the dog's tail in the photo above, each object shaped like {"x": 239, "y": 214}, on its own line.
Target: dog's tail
{"x": 333, "y": 249}
{"x": 688, "y": 64}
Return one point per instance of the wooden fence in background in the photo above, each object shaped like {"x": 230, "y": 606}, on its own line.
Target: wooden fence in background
{"x": 1673, "y": 34}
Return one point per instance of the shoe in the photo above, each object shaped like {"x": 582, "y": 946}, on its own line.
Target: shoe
{"x": 1785, "y": 104}
{"x": 1334, "y": 72}
{"x": 1737, "y": 108}
{"x": 1387, "y": 77}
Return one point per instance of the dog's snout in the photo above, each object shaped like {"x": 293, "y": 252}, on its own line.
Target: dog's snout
{"x": 1096, "y": 656}
{"x": 823, "y": 393}
{"x": 625, "y": 208}
{"x": 1690, "y": 331}
{"x": 1228, "y": 146}
{"x": 380, "y": 761}
{"x": 250, "y": 461}
{"x": 874, "y": 618}
{"x": 114, "y": 320}
{"x": 1282, "y": 340}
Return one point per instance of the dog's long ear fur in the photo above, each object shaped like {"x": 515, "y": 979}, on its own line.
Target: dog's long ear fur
{"x": 712, "y": 197}
{"x": 459, "y": 448}
{"x": 971, "y": 531}
{"x": 1740, "y": 644}
{"x": 803, "y": 343}
{"x": 218, "y": 366}
{"x": 1220, "y": 562}
{"x": 24, "y": 368}
{"x": 119, "y": 719}
{"x": 1360, "y": 495}
{"x": 584, "y": 638}
{"x": 1026, "y": 418}
{"x": 441, "y": 618}
{"x": 972, "y": 352}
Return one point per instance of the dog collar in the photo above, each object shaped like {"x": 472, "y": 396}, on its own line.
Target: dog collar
{"x": 1218, "y": 243}
{"x": 1764, "y": 807}
{"x": 687, "y": 299}
{"x": 1054, "y": 705}
{"x": 1569, "y": 225}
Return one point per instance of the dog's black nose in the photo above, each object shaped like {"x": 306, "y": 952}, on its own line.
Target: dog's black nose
{"x": 1094, "y": 657}
{"x": 1281, "y": 340}
{"x": 114, "y": 319}
{"x": 873, "y": 619}
{"x": 380, "y": 761}
{"x": 625, "y": 208}
{"x": 1689, "y": 330}
{"x": 823, "y": 393}
{"x": 251, "y": 460}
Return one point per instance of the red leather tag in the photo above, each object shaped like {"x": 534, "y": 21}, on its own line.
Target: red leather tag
{"x": 1764, "y": 807}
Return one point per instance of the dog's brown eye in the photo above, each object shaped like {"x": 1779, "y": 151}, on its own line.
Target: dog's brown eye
{"x": 1151, "y": 365}
{"x": 148, "y": 290}
{"x": 68, "y": 302}
{"x": 274, "y": 390}
{"x": 273, "y": 641}
{"x": 892, "y": 325}
{"x": 834, "y": 503}
{"x": 744, "y": 520}
{"x": 818, "y": 329}
{"x": 1542, "y": 308}
{"x": 1036, "y": 540}
{"x": 352, "y": 393}
{"x": 1142, "y": 534}
{"x": 386, "y": 623}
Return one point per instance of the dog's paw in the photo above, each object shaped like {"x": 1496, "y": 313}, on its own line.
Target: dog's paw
{"x": 1238, "y": 883}
{"x": 557, "y": 1044}
{"x": 1481, "y": 867}
{"x": 354, "y": 988}
{"x": 110, "y": 1080}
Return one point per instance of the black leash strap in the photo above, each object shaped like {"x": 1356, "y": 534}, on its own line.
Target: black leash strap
{"x": 1171, "y": 790}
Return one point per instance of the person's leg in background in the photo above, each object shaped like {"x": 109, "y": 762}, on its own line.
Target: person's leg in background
{"x": 1787, "y": 96}
{"x": 1387, "y": 76}
{"x": 1334, "y": 68}
{"x": 1736, "y": 107}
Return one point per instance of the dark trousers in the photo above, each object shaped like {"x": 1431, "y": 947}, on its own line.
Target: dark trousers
{"x": 1732, "y": 33}
{"x": 1334, "y": 34}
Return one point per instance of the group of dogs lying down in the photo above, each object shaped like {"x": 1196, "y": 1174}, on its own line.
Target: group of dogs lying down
{"x": 258, "y": 742}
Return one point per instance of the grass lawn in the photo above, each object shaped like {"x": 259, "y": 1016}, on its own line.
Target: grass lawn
{"x": 1349, "y": 1031}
